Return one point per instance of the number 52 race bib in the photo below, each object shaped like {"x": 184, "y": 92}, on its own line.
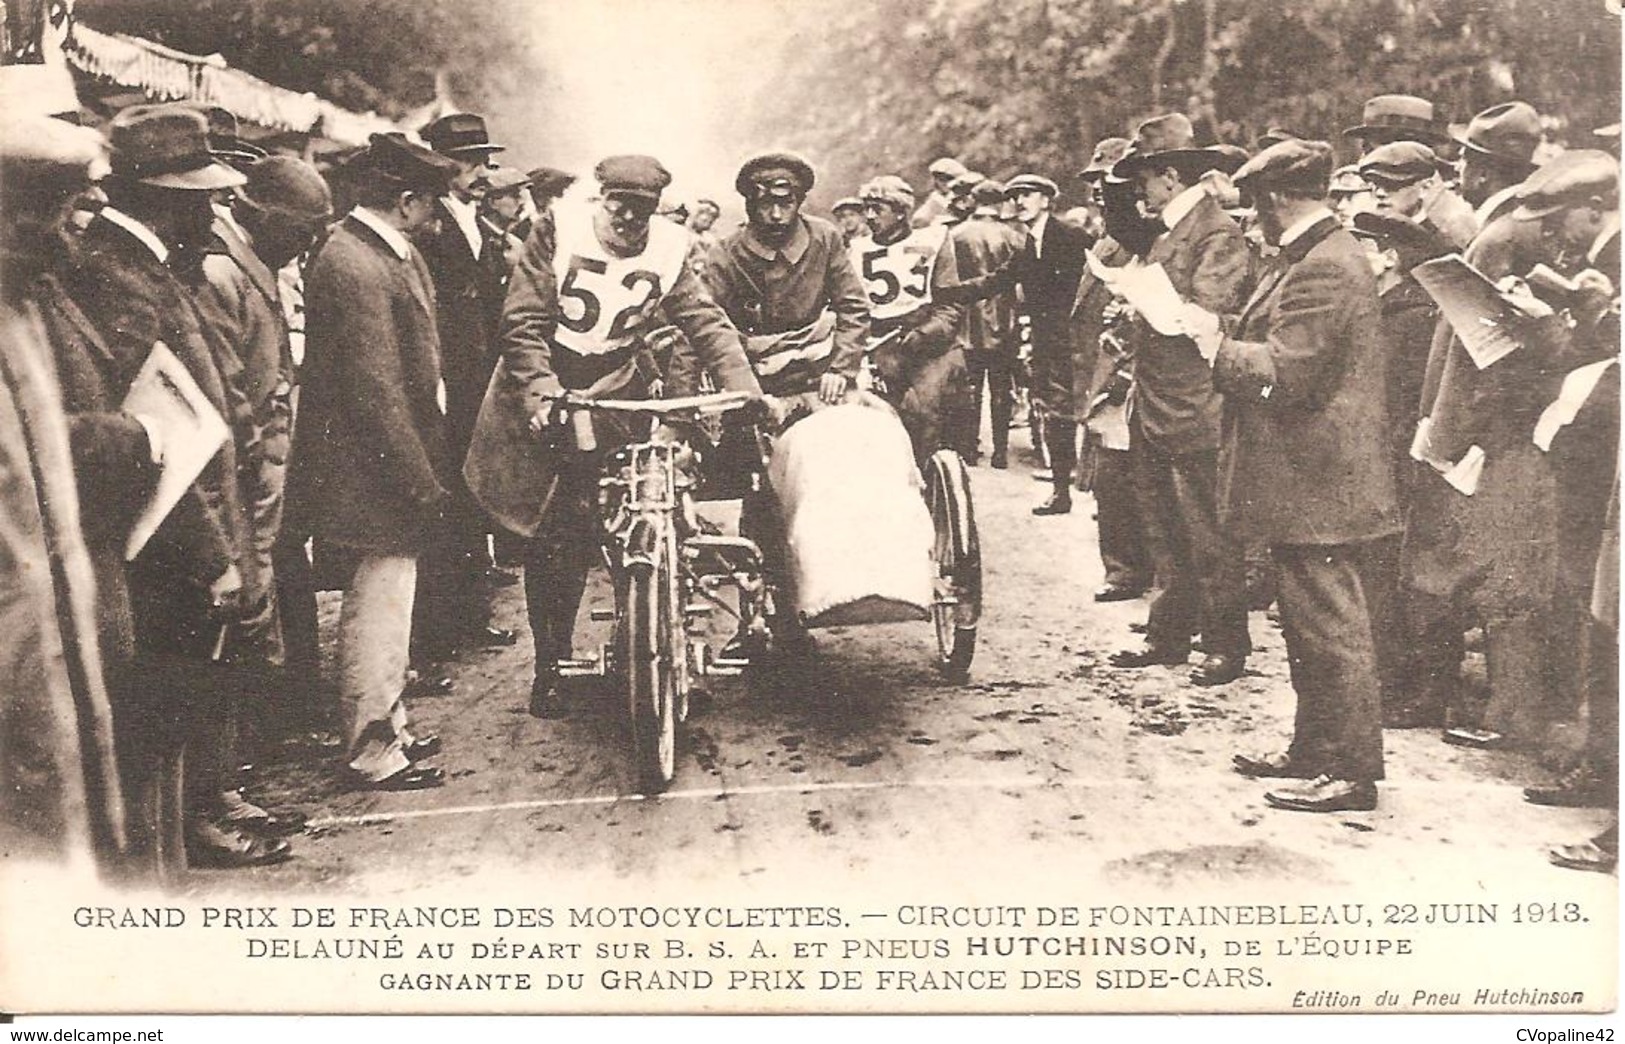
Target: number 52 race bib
{"x": 604, "y": 300}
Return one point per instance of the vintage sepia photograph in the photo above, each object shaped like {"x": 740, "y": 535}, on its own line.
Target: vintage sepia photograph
{"x": 816, "y": 507}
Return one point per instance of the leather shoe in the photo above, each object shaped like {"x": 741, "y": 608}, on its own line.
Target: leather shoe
{"x": 412, "y": 777}
{"x": 1055, "y": 505}
{"x": 1218, "y": 669}
{"x": 1116, "y": 593}
{"x": 1577, "y": 788}
{"x": 211, "y": 845}
{"x": 427, "y": 685}
{"x": 1587, "y": 855}
{"x": 422, "y": 749}
{"x": 1267, "y": 766}
{"x": 1478, "y": 739}
{"x": 490, "y": 637}
{"x": 1150, "y": 655}
{"x": 1325, "y": 794}
{"x": 545, "y": 701}
{"x": 1000, "y": 462}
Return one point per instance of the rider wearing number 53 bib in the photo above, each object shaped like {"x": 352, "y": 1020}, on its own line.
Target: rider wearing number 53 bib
{"x": 592, "y": 295}
{"x": 922, "y": 364}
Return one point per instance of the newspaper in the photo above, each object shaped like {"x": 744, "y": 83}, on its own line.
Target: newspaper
{"x": 1147, "y": 289}
{"x": 187, "y": 429}
{"x": 1485, "y": 317}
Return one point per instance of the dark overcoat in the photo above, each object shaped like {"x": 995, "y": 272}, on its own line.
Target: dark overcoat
{"x": 370, "y": 437}
{"x": 1173, "y": 404}
{"x": 1304, "y": 458}
{"x": 133, "y": 301}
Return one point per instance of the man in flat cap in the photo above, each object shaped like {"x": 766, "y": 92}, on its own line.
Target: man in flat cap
{"x": 134, "y": 280}
{"x": 1047, "y": 269}
{"x": 1305, "y": 469}
{"x": 501, "y": 209}
{"x": 944, "y": 172}
{"x": 921, "y": 365}
{"x": 368, "y": 481}
{"x": 453, "y": 605}
{"x": 1576, "y": 199}
{"x": 1498, "y": 554}
{"x": 1350, "y": 194}
{"x": 848, "y": 214}
{"x": 277, "y": 215}
{"x": 700, "y": 225}
{"x": 961, "y": 197}
{"x": 1497, "y": 154}
{"x": 587, "y": 311}
{"x": 786, "y": 282}
{"x": 1405, "y": 177}
{"x": 1174, "y": 413}
{"x": 982, "y": 244}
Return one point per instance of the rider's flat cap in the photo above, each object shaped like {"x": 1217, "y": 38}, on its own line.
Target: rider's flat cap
{"x": 632, "y": 176}
{"x": 777, "y": 174}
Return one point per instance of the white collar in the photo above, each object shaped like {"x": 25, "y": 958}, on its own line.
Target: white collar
{"x": 1036, "y": 229}
{"x": 1178, "y": 208}
{"x": 391, "y": 235}
{"x": 466, "y": 214}
{"x": 1303, "y": 224}
{"x": 229, "y": 219}
{"x": 140, "y": 231}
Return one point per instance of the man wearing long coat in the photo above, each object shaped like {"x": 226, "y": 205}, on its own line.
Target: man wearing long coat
{"x": 1304, "y": 469}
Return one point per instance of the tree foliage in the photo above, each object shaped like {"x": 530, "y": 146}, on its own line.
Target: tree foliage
{"x": 381, "y": 55}
{"x": 1032, "y": 84}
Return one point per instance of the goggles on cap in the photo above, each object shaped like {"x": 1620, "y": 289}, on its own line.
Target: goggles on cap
{"x": 775, "y": 188}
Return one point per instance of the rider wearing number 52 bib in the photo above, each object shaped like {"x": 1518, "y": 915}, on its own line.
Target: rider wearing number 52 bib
{"x": 922, "y": 364}
{"x": 589, "y": 298}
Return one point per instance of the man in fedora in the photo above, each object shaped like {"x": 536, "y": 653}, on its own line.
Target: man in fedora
{"x": 134, "y": 278}
{"x": 1397, "y": 117}
{"x": 1174, "y": 409}
{"x": 1101, "y": 376}
{"x": 226, "y": 141}
{"x": 1497, "y": 154}
{"x": 468, "y": 266}
{"x": 1390, "y": 118}
{"x": 944, "y": 172}
{"x": 589, "y": 308}
{"x": 1302, "y": 377}
{"x": 1047, "y": 268}
{"x": 369, "y": 483}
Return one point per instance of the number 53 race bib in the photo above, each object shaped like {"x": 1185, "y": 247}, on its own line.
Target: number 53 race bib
{"x": 604, "y": 300}
{"x": 898, "y": 277}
